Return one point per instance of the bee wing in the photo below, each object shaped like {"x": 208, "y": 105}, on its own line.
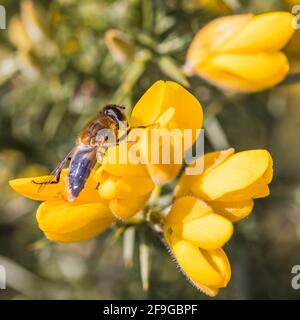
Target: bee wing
{"x": 55, "y": 173}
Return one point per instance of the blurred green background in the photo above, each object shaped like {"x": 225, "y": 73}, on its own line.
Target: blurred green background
{"x": 57, "y": 69}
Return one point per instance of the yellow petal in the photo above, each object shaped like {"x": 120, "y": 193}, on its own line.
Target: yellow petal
{"x": 210, "y": 38}
{"x": 126, "y": 208}
{"x": 187, "y": 209}
{"x": 258, "y": 189}
{"x": 183, "y": 187}
{"x": 233, "y": 211}
{"x": 101, "y": 175}
{"x": 50, "y": 192}
{"x": 211, "y": 161}
{"x": 133, "y": 187}
{"x": 211, "y": 292}
{"x": 163, "y": 157}
{"x": 267, "y": 32}
{"x": 247, "y": 72}
{"x": 89, "y": 193}
{"x": 108, "y": 188}
{"x": 238, "y": 172}
{"x": 29, "y": 188}
{"x": 118, "y": 164}
{"x": 225, "y": 80}
{"x": 126, "y": 187}
{"x": 69, "y": 222}
{"x": 162, "y": 96}
{"x": 149, "y": 107}
{"x": 204, "y": 268}
{"x": 209, "y": 232}
{"x": 268, "y": 176}
{"x": 163, "y": 173}
{"x": 133, "y": 170}
{"x": 269, "y": 65}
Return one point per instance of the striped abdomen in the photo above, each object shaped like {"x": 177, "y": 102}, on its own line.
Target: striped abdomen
{"x": 82, "y": 163}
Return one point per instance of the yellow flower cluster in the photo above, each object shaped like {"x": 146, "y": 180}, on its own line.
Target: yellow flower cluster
{"x": 200, "y": 221}
{"x": 205, "y": 206}
{"x": 242, "y": 53}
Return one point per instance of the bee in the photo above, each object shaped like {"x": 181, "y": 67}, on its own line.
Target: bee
{"x": 92, "y": 141}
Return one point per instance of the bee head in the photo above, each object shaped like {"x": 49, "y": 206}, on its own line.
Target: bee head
{"x": 115, "y": 112}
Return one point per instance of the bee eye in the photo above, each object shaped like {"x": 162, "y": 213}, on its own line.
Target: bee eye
{"x": 115, "y": 113}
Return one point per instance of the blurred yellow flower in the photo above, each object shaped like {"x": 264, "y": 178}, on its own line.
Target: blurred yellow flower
{"x": 119, "y": 44}
{"x": 64, "y": 221}
{"x": 126, "y": 187}
{"x": 29, "y": 33}
{"x": 241, "y": 53}
{"x": 165, "y": 105}
{"x": 33, "y": 19}
{"x": 195, "y": 235}
{"x": 230, "y": 182}
{"x": 18, "y": 35}
{"x": 215, "y": 6}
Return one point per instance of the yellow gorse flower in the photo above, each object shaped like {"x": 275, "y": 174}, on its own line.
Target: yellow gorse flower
{"x": 64, "y": 221}
{"x": 200, "y": 220}
{"x": 241, "y": 53}
{"x": 230, "y": 182}
{"x": 195, "y": 235}
{"x": 166, "y": 105}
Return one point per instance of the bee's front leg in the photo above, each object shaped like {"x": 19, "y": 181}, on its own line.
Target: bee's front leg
{"x": 131, "y": 128}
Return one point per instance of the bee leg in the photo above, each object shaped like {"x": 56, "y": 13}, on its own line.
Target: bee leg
{"x": 138, "y": 127}
{"x": 145, "y": 127}
{"x": 57, "y": 179}
{"x": 123, "y": 142}
{"x": 97, "y": 187}
{"x": 54, "y": 176}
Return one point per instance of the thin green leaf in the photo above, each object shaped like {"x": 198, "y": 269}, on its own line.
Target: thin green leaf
{"x": 128, "y": 246}
{"x": 145, "y": 263}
